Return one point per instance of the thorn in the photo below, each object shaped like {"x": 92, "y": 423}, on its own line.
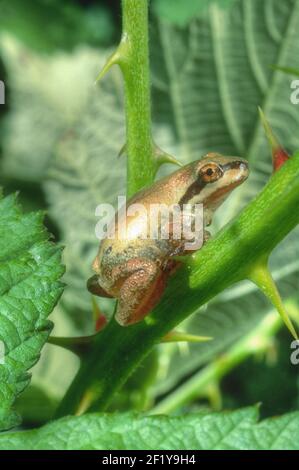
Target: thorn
{"x": 159, "y": 155}
{"x": 122, "y": 151}
{"x": 288, "y": 70}
{"x": 118, "y": 57}
{"x": 178, "y": 336}
{"x": 163, "y": 157}
{"x": 100, "y": 323}
{"x": 99, "y": 319}
{"x": 86, "y": 402}
{"x": 78, "y": 345}
{"x": 213, "y": 393}
{"x": 262, "y": 277}
{"x": 279, "y": 155}
{"x": 112, "y": 60}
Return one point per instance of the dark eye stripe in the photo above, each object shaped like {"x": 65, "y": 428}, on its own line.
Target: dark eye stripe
{"x": 193, "y": 189}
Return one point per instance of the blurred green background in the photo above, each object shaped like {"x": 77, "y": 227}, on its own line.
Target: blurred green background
{"x": 60, "y": 136}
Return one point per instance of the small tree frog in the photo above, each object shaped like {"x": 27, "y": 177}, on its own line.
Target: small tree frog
{"x": 134, "y": 269}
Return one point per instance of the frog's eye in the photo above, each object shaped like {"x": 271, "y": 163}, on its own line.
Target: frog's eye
{"x": 210, "y": 173}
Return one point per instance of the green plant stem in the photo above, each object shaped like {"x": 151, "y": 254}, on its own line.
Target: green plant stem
{"x": 257, "y": 342}
{"x": 135, "y": 67}
{"x": 224, "y": 260}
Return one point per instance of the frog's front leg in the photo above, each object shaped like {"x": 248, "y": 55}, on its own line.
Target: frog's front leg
{"x": 95, "y": 288}
{"x": 183, "y": 246}
{"x": 140, "y": 291}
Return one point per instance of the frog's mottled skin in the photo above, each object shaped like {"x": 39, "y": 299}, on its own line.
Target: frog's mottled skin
{"x": 135, "y": 270}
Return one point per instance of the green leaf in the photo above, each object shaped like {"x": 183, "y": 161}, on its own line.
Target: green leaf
{"x": 204, "y": 430}
{"x": 51, "y": 376}
{"x": 30, "y": 271}
{"x": 210, "y": 77}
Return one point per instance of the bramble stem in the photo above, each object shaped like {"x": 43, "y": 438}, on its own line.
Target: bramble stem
{"x": 135, "y": 68}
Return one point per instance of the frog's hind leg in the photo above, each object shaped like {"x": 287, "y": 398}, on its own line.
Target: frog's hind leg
{"x": 94, "y": 287}
{"x": 140, "y": 291}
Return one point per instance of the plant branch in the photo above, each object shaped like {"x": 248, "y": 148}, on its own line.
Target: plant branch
{"x": 135, "y": 68}
{"x": 224, "y": 260}
{"x": 132, "y": 55}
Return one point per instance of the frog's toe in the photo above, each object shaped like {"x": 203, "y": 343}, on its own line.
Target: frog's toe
{"x": 207, "y": 236}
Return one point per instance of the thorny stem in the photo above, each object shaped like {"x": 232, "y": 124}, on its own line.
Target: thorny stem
{"x": 135, "y": 68}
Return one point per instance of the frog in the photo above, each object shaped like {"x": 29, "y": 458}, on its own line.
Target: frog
{"x": 135, "y": 269}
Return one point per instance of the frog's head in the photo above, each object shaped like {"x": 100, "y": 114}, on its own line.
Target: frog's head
{"x": 212, "y": 179}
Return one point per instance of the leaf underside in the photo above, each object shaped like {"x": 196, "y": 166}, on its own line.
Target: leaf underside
{"x": 203, "y": 430}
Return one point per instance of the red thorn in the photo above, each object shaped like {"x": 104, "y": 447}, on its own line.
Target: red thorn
{"x": 101, "y": 322}
{"x": 279, "y": 154}
{"x": 99, "y": 319}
